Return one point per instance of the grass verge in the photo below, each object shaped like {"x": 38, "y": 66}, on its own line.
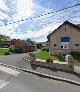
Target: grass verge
{"x": 3, "y": 50}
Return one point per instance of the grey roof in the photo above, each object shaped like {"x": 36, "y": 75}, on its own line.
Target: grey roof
{"x": 26, "y": 43}
{"x": 23, "y": 42}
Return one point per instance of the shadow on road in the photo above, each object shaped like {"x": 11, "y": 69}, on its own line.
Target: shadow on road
{"x": 34, "y": 67}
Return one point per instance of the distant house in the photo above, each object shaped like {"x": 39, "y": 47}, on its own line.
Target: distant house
{"x": 41, "y": 45}
{"x": 64, "y": 39}
{"x": 35, "y": 46}
{"x": 25, "y": 45}
{"x": 10, "y": 42}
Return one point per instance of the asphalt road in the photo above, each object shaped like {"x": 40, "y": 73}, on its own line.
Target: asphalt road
{"x": 26, "y": 82}
{"x": 12, "y": 59}
{"x": 15, "y": 59}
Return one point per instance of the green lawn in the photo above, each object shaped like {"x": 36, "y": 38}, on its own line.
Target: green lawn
{"x": 45, "y": 55}
{"x": 2, "y": 51}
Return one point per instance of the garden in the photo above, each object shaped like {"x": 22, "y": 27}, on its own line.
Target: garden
{"x": 43, "y": 55}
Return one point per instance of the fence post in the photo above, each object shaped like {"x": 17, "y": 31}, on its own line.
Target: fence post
{"x": 70, "y": 61}
{"x": 32, "y": 56}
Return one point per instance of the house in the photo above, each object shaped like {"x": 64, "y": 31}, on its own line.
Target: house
{"x": 41, "y": 45}
{"x": 35, "y": 46}
{"x": 10, "y": 42}
{"x": 25, "y": 45}
{"x": 64, "y": 39}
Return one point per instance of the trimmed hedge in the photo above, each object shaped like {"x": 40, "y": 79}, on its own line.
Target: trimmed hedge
{"x": 76, "y": 55}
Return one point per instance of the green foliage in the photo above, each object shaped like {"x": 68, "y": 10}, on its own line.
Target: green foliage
{"x": 46, "y": 56}
{"x": 76, "y": 55}
{"x": 45, "y": 49}
{"x": 30, "y": 41}
{"x": 2, "y": 51}
{"x": 43, "y": 55}
{"x": 11, "y": 49}
{"x": 6, "y": 53}
{"x": 3, "y": 39}
{"x": 60, "y": 58}
{"x": 18, "y": 50}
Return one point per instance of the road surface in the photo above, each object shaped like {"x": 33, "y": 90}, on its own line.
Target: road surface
{"x": 13, "y": 80}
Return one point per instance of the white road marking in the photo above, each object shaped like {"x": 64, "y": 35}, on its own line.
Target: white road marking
{"x": 8, "y": 70}
{"x": 3, "y": 83}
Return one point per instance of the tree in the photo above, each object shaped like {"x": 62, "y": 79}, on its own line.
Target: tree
{"x": 3, "y": 38}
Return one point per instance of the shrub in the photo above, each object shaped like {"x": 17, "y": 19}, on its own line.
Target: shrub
{"x": 48, "y": 60}
{"x": 6, "y": 53}
{"x": 60, "y": 58}
{"x": 18, "y": 50}
{"x": 11, "y": 49}
{"x": 76, "y": 55}
{"x": 45, "y": 49}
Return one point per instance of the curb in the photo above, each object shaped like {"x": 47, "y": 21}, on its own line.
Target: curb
{"x": 44, "y": 75}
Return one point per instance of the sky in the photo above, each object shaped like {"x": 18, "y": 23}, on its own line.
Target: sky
{"x": 36, "y": 29}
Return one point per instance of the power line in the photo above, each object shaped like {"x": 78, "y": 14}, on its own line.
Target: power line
{"x": 44, "y": 14}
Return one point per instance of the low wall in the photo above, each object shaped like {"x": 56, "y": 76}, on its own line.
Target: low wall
{"x": 54, "y": 65}
{"x": 61, "y": 51}
{"x": 71, "y": 65}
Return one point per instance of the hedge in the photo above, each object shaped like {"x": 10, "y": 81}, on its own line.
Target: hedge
{"x": 76, "y": 55}
{"x": 18, "y": 50}
{"x": 45, "y": 49}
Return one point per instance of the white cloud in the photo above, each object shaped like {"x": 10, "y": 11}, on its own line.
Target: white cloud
{"x": 3, "y": 6}
{"x": 3, "y": 16}
{"x": 38, "y": 36}
{"x": 23, "y": 10}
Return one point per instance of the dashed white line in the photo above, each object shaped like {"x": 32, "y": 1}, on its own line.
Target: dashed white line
{"x": 8, "y": 70}
{"x": 3, "y": 83}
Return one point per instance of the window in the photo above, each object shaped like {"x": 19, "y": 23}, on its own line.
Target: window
{"x": 54, "y": 44}
{"x": 61, "y": 46}
{"x": 64, "y": 46}
{"x": 65, "y": 29}
{"x": 76, "y": 44}
{"x": 65, "y": 39}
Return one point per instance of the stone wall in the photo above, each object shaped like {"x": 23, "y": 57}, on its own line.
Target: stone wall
{"x": 70, "y": 65}
{"x": 53, "y": 65}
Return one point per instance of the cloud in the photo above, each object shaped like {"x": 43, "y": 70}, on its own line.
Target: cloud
{"x": 37, "y": 35}
{"x": 23, "y": 10}
{"x": 35, "y": 29}
{"x": 3, "y": 6}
